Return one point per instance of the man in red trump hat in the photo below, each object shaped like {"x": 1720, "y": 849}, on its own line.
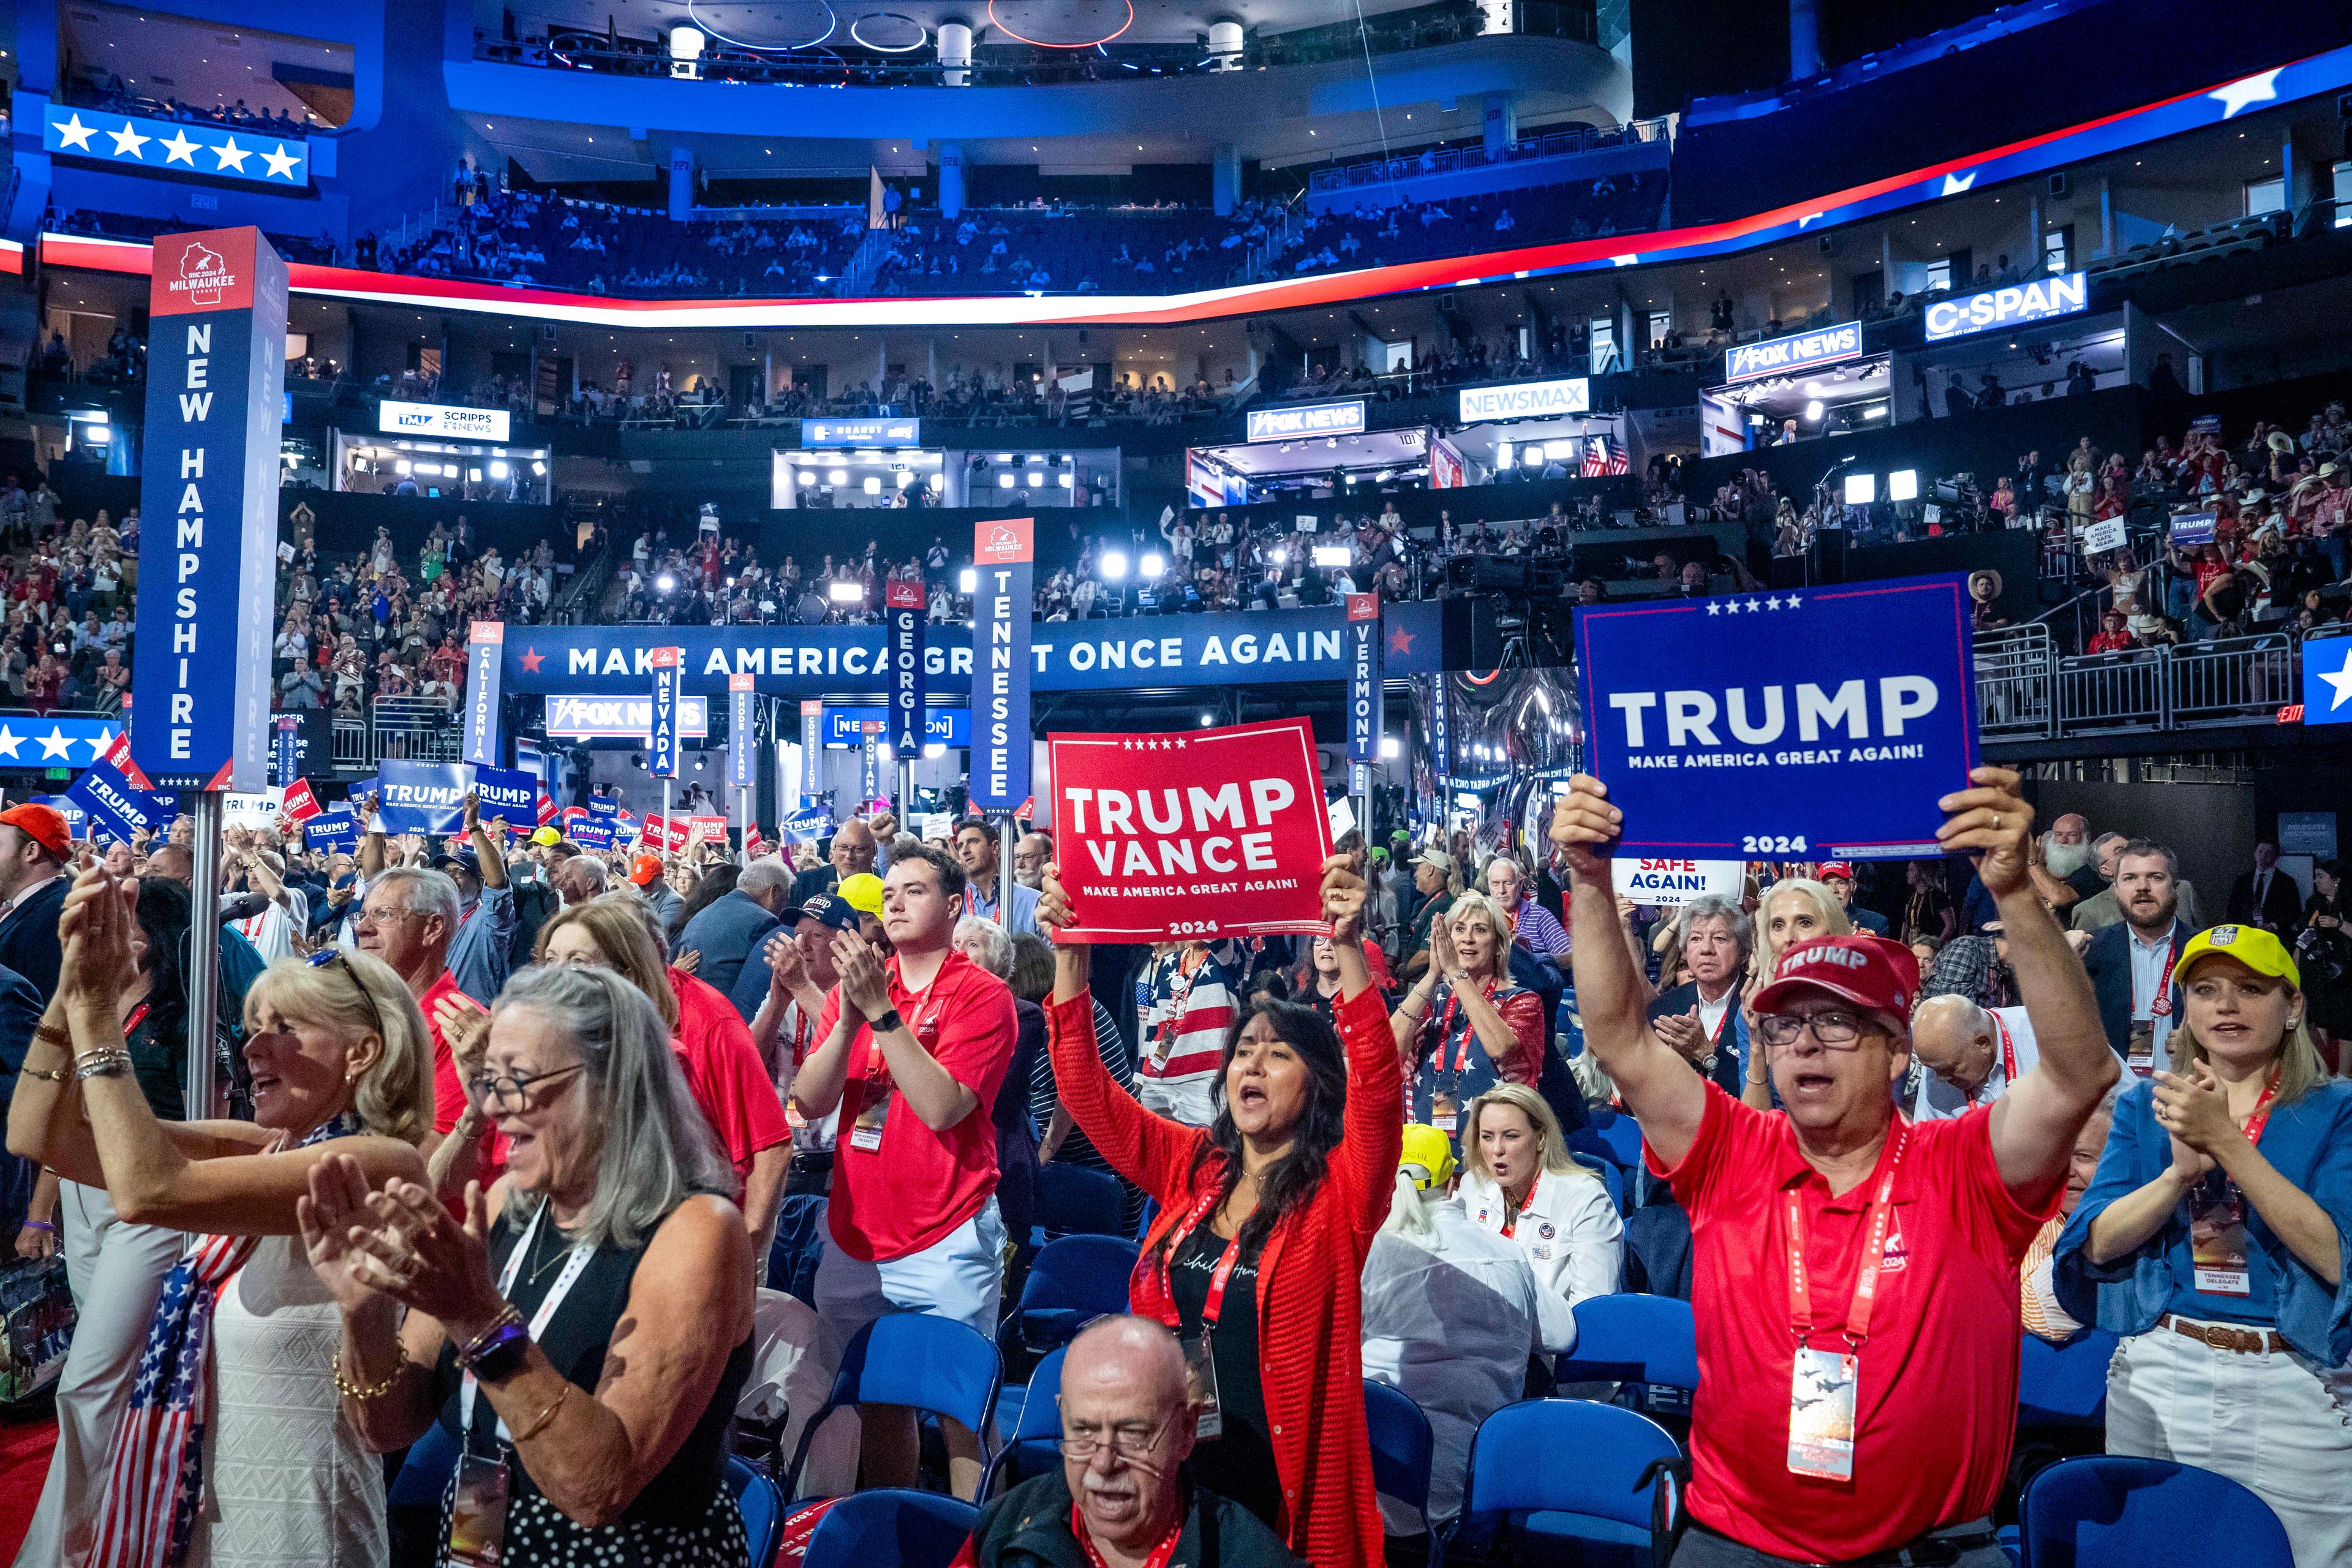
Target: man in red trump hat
{"x": 35, "y": 844}
{"x": 1855, "y": 1273}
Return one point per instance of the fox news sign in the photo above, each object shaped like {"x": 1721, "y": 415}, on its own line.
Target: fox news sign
{"x": 2010, "y": 307}
{"x": 437, "y": 419}
{"x": 1526, "y": 399}
{"x": 1797, "y": 352}
{"x": 1307, "y": 419}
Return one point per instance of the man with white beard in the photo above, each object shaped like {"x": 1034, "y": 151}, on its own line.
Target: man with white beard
{"x": 1451, "y": 1312}
{"x": 2065, "y": 870}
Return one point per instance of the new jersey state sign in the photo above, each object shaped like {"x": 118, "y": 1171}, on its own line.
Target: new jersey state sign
{"x": 1817, "y": 723}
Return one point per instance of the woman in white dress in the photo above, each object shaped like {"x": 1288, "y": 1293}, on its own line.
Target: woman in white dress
{"x": 340, "y": 1063}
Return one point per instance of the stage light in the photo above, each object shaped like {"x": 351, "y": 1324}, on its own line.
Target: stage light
{"x": 539, "y": 469}
{"x": 1114, "y": 565}
{"x": 806, "y": 475}
{"x": 500, "y": 470}
{"x": 1207, "y": 720}
{"x": 403, "y": 466}
{"x": 1067, "y": 482}
{"x": 837, "y": 477}
{"x": 1390, "y": 748}
{"x": 1328, "y": 555}
{"x": 666, "y": 583}
{"x": 1813, "y": 411}
{"x": 1860, "y": 490}
{"x": 1153, "y": 565}
{"x": 1005, "y": 481}
{"x": 1280, "y": 554}
{"x": 1036, "y": 482}
{"x": 873, "y": 484}
{"x": 1902, "y": 484}
{"x": 935, "y": 749}
{"x": 968, "y": 580}
{"x": 1506, "y": 454}
{"x": 845, "y": 592}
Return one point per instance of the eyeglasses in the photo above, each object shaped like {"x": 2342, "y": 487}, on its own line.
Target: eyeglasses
{"x": 1124, "y": 1444}
{"x": 1830, "y": 1031}
{"x": 334, "y": 955}
{"x": 512, "y": 1091}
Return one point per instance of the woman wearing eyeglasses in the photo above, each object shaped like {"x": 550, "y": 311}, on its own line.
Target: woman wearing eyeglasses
{"x": 584, "y": 1334}
{"x": 241, "y": 1338}
{"x": 2213, "y": 1236}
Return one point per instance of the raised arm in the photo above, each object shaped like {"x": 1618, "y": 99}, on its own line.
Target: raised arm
{"x": 487, "y": 854}
{"x": 1149, "y": 1151}
{"x": 2034, "y": 1123}
{"x": 372, "y": 848}
{"x": 1372, "y": 1121}
{"x": 1653, "y": 1079}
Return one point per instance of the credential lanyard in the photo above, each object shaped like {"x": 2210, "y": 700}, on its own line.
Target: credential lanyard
{"x": 2008, "y": 1052}
{"x": 2258, "y": 1121}
{"x": 1159, "y": 1553}
{"x": 1462, "y": 1050}
{"x": 1215, "y": 1306}
{"x": 538, "y": 1320}
{"x": 1866, "y": 1284}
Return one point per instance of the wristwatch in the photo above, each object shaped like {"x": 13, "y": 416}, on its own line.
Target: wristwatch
{"x": 888, "y": 1020}
{"x": 498, "y": 1354}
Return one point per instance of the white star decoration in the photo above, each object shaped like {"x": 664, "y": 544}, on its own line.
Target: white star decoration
{"x": 232, "y": 155}
{"x": 127, "y": 141}
{"x": 9, "y": 741}
{"x": 1753, "y": 606}
{"x": 2339, "y": 680}
{"x": 178, "y": 149}
{"x": 281, "y": 163}
{"x": 55, "y": 744}
{"x": 74, "y": 134}
{"x": 2260, "y": 87}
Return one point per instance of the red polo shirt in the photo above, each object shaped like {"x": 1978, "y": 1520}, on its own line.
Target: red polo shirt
{"x": 1936, "y": 1400}
{"x": 449, "y": 1090}
{"x": 725, "y": 1075}
{"x": 920, "y": 1184}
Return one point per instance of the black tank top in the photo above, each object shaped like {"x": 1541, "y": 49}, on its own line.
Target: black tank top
{"x": 574, "y": 1341}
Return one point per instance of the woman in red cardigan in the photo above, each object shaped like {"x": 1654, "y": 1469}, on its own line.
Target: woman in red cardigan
{"x": 1281, "y": 1197}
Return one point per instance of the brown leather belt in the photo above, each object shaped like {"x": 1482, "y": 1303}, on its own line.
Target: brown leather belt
{"x": 2219, "y": 1337}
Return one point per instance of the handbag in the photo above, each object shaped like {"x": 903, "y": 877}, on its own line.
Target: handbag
{"x": 36, "y": 1324}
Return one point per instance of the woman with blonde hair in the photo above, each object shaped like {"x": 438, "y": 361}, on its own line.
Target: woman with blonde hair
{"x": 242, "y": 1341}
{"x": 1519, "y": 1181}
{"x": 2212, "y": 1239}
{"x": 1464, "y": 1027}
{"x": 723, "y": 1069}
{"x": 1794, "y": 909}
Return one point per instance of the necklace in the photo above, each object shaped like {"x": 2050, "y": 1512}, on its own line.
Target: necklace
{"x": 534, "y": 1272}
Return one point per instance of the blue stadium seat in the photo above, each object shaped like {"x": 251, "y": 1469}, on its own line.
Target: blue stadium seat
{"x": 1614, "y": 1135}
{"x": 762, "y": 1507}
{"x": 1025, "y": 1439}
{"x": 1073, "y": 1200}
{"x": 1072, "y": 1281}
{"x": 1402, "y": 1447}
{"x": 1648, "y": 1340}
{"x": 889, "y": 1529}
{"x": 2107, "y": 1512}
{"x": 916, "y": 1360}
{"x": 1611, "y": 1176}
{"x": 2064, "y": 1385}
{"x": 1601, "y": 1502}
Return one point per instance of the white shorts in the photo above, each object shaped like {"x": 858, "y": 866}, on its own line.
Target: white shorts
{"x": 961, "y": 1275}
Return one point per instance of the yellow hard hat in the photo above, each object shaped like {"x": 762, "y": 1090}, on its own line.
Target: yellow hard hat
{"x": 1431, "y": 1150}
{"x": 863, "y": 893}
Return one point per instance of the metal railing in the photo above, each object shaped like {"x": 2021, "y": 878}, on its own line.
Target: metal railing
{"x": 2024, "y": 690}
{"x": 1460, "y": 160}
{"x": 410, "y": 730}
{"x": 2013, "y": 690}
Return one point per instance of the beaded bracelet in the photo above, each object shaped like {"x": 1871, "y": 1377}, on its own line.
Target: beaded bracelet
{"x": 103, "y": 1063}
{"x": 46, "y": 1075}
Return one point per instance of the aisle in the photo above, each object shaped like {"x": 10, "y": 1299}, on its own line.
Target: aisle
{"x": 25, "y": 1445}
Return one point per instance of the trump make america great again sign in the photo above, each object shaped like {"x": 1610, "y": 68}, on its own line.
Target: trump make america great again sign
{"x": 1821, "y": 722}
{"x": 1204, "y": 833}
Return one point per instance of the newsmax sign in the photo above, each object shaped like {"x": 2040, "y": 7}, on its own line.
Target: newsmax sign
{"x": 2014, "y": 306}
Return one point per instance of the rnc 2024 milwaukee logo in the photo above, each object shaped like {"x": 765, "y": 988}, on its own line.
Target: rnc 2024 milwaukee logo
{"x": 205, "y": 275}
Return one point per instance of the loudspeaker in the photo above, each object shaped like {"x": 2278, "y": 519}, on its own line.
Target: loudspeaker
{"x": 1470, "y": 634}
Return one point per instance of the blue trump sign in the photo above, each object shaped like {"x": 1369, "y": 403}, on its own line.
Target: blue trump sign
{"x": 2327, "y": 680}
{"x": 335, "y": 829}
{"x": 1817, "y": 723}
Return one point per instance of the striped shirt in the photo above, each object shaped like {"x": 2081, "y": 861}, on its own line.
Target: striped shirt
{"x": 1537, "y": 930}
{"x": 1194, "y": 997}
{"x": 2037, "y": 1301}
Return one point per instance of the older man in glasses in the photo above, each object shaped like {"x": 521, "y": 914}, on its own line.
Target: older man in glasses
{"x": 408, "y": 919}
{"x": 1119, "y": 1499}
{"x": 1854, "y": 1272}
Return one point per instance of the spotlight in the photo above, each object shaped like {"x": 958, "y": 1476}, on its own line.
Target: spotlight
{"x": 1328, "y": 555}
{"x": 1153, "y": 565}
{"x": 539, "y": 470}
{"x": 968, "y": 580}
{"x": 1813, "y": 411}
{"x": 873, "y": 484}
{"x": 666, "y": 583}
{"x": 1114, "y": 565}
{"x": 1902, "y": 484}
{"x": 1860, "y": 490}
{"x": 845, "y": 592}
{"x": 500, "y": 470}
{"x": 1005, "y": 481}
{"x": 935, "y": 749}
{"x": 1390, "y": 748}
{"x": 1207, "y": 720}
{"x": 837, "y": 477}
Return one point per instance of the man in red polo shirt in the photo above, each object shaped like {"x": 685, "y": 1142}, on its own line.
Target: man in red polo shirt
{"x": 915, "y": 1048}
{"x": 1853, "y": 1273}
{"x": 407, "y": 919}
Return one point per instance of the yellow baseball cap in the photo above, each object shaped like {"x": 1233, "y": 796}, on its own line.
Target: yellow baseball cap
{"x": 545, "y": 836}
{"x": 864, "y": 893}
{"x": 2252, "y": 946}
{"x": 1429, "y": 1149}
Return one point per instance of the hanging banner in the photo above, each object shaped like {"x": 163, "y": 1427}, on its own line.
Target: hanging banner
{"x": 661, "y": 748}
{"x": 208, "y": 552}
{"x": 1205, "y": 833}
{"x": 1364, "y": 686}
{"x": 1446, "y": 465}
{"x": 485, "y": 661}
{"x": 743, "y": 758}
{"x": 1002, "y": 552}
{"x": 284, "y": 751}
{"x": 1854, "y": 712}
{"x": 811, "y": 749}
{"x": 1441, "y": 759}
{"x": 869, "y": 763}
{"x": 906, "y": 604}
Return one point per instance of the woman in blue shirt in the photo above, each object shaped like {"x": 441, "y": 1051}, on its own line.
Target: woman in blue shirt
{"x": 2213, "y": 1238}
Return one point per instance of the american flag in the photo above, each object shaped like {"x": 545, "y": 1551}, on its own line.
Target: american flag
{"x": 156, "y": 1463}
{"x": 1600, "y": 458}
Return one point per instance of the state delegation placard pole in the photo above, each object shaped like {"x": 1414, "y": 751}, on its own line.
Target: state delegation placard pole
{"x": 202, "y": 1084}
{"x": 1006, "y": 833}
{"x": 906, "y": 794}
{"x": 664, "y": 838}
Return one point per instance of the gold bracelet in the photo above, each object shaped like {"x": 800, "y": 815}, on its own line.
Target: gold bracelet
{"x": 53, "y": 1035}
{"x": 546, "y": 1416}
{"x": 362, "y": 1393}
{"x": 45, "y": 1074}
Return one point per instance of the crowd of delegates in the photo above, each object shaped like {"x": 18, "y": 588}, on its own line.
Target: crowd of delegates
{"x": 469, "y": 1187}
{"x": 69, "y": 585}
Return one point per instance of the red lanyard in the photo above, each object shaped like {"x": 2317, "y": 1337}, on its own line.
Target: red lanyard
{"x": 1880, "y": 1216}
{"x": 1511, "y": 1220}
{"x": 1164, "y": 1306}
{"x": 2261, "y": 1116}
{"x": 2008, "y": 1051}
{"x": 138, "y": 1014}
{"x": 873, "y": 1068}
{"x": 1462, "y": 1052}
{"x": 1159, "y": 1553}
{"x": 2161, "y": 1004}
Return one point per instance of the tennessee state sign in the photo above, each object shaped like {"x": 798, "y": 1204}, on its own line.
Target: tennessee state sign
{"x": 1199, "y": 834}
{"x": 1819, "y": 723}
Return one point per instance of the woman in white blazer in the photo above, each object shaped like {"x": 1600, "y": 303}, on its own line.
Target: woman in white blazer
{"x": 1519, "y": 1181}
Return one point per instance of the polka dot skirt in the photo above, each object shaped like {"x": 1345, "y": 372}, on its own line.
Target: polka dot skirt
{"x": 540, "y": 1535}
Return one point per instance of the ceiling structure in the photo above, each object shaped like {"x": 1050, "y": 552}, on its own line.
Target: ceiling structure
{"x": 205, "y": 64}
